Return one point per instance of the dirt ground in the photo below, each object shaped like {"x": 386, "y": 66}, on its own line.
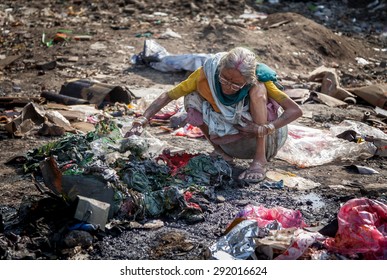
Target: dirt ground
{"x": 291, "y": 37}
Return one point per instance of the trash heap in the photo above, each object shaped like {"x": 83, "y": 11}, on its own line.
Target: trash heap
{"x": 135, "y": 181}
{"x": 359, "y": 232}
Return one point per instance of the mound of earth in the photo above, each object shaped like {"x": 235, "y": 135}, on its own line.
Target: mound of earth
{"x": 304, "y": 32}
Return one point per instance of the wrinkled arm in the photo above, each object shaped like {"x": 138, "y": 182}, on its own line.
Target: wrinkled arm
{"x": 291, "y": 112}
{"x": 159, "y": 103}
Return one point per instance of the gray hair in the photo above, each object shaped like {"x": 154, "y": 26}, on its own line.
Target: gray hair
{"x": 241, "y": 59}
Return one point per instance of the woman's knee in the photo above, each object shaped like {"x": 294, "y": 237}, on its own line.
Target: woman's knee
{"x": 193, "y": 104}
{"x": 194, "y": 117}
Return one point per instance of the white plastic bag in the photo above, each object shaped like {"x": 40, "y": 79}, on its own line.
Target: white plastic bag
{"x": 145, "y": 145}
{"x": 360, "y": 128}
{"x": 306, "y": 147}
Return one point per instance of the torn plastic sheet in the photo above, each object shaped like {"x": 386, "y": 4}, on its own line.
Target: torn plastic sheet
{"x": 360, "y": 128}
{"x": 175, "y": 63}
{"x": 239, "y": 243}
{"x": 306, "y": 147}
{"x": 368, "y": 135}
{"x": 148, "y": 95}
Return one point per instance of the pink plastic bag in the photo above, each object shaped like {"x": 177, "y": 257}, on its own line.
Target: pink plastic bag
{"x": 189, "y": 131}
{"x": 362, "y": 229}
{"x": 286, "y": 217}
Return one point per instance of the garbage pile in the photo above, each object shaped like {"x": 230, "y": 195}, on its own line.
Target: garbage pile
{"x": 132, "y": 173}
{"x": 281, "y": 234}
{"x": 102, "y": 183}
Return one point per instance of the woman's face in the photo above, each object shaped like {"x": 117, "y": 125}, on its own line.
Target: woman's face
{"x": 231, "y": 80}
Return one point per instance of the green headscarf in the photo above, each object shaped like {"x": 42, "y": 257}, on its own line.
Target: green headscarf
{"x": 264, "y": 73}
{"x": 229, "y": 99}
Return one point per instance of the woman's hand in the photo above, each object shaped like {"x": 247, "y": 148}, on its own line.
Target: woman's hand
{"x": 140, "y": 122}
{"x": 251, "y": 129}
{"x": 137, "y": 128}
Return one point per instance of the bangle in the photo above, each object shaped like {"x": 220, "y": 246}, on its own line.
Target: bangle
{"x": 270, "y": 128}
{"x": 141, "y": 120}
{"x": 260, "y": 131}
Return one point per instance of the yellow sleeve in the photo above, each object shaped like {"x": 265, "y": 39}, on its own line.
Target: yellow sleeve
{"x": 274, "y": 93}
{"x": 185, "y": 87}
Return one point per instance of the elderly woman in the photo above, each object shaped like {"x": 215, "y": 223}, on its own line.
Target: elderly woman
{"x": 235, "y": 101}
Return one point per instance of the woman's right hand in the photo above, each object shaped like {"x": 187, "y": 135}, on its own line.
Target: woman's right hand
{"x": 137, "y": 128}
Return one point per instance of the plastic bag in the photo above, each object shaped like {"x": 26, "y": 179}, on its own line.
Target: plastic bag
{"x": 306, "y": 147}
{"x": 189, "y": 130}
{"x": 361, "y": 128}
{"x": 362, "y": 229}
{"x": 175, "y": 63}
{"x": 160, "y": 59}
{"x": 264, "y": 216}
{"x": 165, "y": 113}
{"x": 236, "y": 244}
{"x": 145, "y": 145}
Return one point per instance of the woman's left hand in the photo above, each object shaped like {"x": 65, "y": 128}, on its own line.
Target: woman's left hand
{"x": 249, "y": 130}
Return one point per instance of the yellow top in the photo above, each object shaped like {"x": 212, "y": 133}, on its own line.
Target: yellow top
{"x": 197, "y": 81}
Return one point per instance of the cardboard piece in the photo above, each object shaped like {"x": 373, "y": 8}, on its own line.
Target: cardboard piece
{"x": 375, "y": 95}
